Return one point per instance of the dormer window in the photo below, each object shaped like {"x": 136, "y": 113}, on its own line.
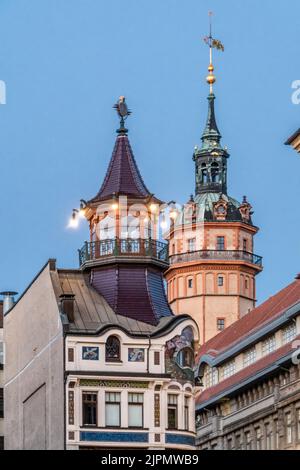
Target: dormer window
{"x": 113, "y": 349}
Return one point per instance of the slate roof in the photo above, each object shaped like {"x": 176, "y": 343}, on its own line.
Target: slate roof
{"x": 92, "y": 313}
{"x": 122, "y": 176}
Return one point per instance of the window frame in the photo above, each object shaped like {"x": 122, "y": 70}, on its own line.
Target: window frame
{"x": 289, "y": 332}
{"x": 219, "y": 322}
{"x": 136, "y": 404}
{"x": 172, "y": 407}
{"x": 220, "y": 246}
{"x": 268, "y": 345}
{"x": 112, "y": 359}
{"x": 117, "y": 404}
{"x": 90, "y": 403}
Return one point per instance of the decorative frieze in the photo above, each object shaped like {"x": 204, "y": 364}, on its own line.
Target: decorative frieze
{"x": 113, "y": 383}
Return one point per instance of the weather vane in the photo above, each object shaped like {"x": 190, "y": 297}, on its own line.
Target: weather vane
{"x": 213, "y": 44}
{"x": 123, "y": 113}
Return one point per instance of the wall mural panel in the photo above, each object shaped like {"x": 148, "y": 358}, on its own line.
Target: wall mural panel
{"x": 173, "y": 349}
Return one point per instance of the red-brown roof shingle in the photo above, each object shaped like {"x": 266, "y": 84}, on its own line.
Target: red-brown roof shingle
{"x": 253, "y": 321}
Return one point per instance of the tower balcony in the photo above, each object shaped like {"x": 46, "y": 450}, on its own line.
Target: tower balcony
{"x": 217, "y": 255}
{"x": 123, "y": 250}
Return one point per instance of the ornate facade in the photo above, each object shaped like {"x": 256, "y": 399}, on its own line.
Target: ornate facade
{"x": 100, "y": 359}
{"x": 249, "y": 379}
{"x": 211, "y": 242}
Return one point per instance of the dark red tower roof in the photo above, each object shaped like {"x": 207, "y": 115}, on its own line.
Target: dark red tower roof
{"x": 122, "y": 176}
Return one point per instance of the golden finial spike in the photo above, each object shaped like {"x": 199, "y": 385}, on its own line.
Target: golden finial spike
{"x": 210, "y": 77}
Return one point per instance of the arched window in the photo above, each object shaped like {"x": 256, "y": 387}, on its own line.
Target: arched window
{"x": 185, "y": 357}
{"x": 214, "y": 172}
{"x": 112, "y": 349}
{"x": 204, "y": 173}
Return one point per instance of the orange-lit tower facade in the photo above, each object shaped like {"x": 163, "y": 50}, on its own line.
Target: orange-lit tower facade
{"x": 212, "y": 268}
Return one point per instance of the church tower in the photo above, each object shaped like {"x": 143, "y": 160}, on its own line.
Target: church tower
{"x": 211, "y": 252}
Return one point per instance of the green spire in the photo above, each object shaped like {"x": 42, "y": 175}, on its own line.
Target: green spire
{"x": 211, "y": 131}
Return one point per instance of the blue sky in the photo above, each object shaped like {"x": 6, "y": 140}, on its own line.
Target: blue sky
{"x": 65, "y": 62}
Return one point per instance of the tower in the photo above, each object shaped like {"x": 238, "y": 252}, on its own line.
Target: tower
{"x": 124, "y": 259}
{"x": 212, "y": 262}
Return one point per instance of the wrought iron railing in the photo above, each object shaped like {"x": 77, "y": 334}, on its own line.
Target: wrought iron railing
{"x": 123, "y": 247}
{"x": 222, "y": 255}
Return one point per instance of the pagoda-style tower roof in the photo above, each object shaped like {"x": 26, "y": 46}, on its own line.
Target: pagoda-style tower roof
{"x": 124, "y": 258}
{"x": 122, "y": 176}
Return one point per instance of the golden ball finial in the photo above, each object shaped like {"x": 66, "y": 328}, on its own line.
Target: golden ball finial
{"x": 211, "y": 78}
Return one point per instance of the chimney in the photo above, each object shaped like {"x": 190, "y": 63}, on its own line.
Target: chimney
{"x": 8, "y": 300}
{"x": 67, "y": 305}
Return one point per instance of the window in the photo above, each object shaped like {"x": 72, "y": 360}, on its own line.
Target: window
{"x": 112, "y": 349}
{"x": 156, "y": 358}
{"x": 135, "y": 410}
{"x": 220, "y": 243}
{"x": 238, "y": 445}
{"x": 258, "y": 435}
{"x": 185, "y": 357}
{"x": 249, "y": 356}
{"x": 220, "y": 324}
{"x": 214, "y": 172}
{"x": 220, "y": 281}
{"x": 229, "y": 443}
{"x": 186, "y": 413}
{"x": 298, "y": 423}
{"x": 70, "y": 354}
{"x": 228, "y": 369}
{"x": 245, "y": 245}
{"x": 1, "y": 355}
{"x": 172, "y": 412}
{"x": 1, "y": 404}
{"x": 210, "y": 376}
{"x": 248, "y": 440}
{"x": 191, "y": 244}
{"x": 289, "y": 333}
{"x": 190, "y": 283}
{"x": 246, "y": 284}
{"x": 89, "y": 409}
{"x": 269, "y": 436}
{"x": 276, "y": 426}
{"x": 204, "y": 174}
{"x": 288, "y": 422}
{"x": 268, "y": 345}
{"x": 113, "y": 409}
